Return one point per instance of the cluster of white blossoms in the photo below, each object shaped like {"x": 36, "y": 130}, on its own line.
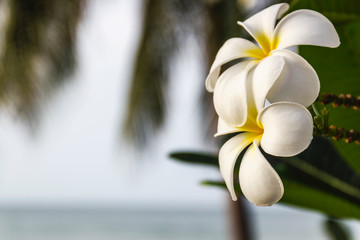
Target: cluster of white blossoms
{"x": 265, "y": 96}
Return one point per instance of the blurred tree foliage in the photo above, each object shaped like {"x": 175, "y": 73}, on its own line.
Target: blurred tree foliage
{"x": 336, "y": 230}
{"x": 37, "y": 41}
{"x": 166, "y": 24}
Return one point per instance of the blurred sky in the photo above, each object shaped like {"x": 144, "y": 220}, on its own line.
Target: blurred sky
{"x": 76, "y": 156}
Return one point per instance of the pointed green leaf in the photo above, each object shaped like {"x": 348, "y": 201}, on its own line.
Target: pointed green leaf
{"x": 318, "y": 179}
{"x": 300, "y": 195}
{"x": 339, "y": 68}
{"x": 197, "y": 158}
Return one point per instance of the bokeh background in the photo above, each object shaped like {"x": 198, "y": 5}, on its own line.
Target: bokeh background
{"x": 67, "y": 172}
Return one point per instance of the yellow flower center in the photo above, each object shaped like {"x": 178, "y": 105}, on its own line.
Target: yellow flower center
{"x": 265, "y": 43}
{"x": 253, "y": 127}
{"x": 266, "y": 46}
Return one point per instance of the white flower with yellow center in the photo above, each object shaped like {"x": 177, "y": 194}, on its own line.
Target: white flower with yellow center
{"x": 297, "y": 77}
{"x": 281, "y": 129}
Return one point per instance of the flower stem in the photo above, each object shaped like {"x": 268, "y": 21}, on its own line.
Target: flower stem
{"x": 315, "y": 109}
{"x": 347, "y": 100}
{"x": 337, "y": 133}
{"x": 321, "y": 118}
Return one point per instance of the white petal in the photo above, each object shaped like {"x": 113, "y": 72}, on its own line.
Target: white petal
{"x": 261, "y": 25}
{"x": 298, "y": 81}
{"x": 232, "y": 49}
{"x": 223, "y": 128}
{"x": 288, "y": 129}
{"x": 305, "y": 27}
{"x": 228, "y": 155}
{"x": 230, "y": 94}
{"x": 262, "y": 78}
{"x": 259, "y": 182}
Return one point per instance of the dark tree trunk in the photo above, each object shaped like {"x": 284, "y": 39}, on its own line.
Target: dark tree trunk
{"x": 239, "y": 220}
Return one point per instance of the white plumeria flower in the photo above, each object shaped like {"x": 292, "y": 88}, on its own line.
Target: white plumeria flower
{"x": 302, "y": 27}
{"x": 281, "y": 129}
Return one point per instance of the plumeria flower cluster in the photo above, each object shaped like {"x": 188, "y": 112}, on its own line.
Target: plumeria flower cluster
{"x": 264, "y": 97}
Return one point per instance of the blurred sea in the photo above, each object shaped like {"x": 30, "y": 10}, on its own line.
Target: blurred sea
{"x": 125, "y": 224}
{"x": 153, "y": 224}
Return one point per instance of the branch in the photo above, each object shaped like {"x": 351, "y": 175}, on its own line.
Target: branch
{"x": 337, "y": 133}
{"x": 347, "y": 100}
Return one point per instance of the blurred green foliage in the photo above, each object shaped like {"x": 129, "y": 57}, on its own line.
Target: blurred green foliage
{"x": 37, "y": 42}
{"x": 339, "y": 69}
{"x": 336, "y": 230}
{"x": 317, "y": 179}
{"x": 166, "y": 26}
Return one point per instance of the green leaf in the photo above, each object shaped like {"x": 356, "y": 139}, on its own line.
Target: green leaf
{"x": 337, "y": 11}
{"x": 318, "y": 179}
{"x": 339, "y": 68}
{"x": 197, "y": 158}
{"x": 300, "y": 195}
{"x": 297, "y": 194}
